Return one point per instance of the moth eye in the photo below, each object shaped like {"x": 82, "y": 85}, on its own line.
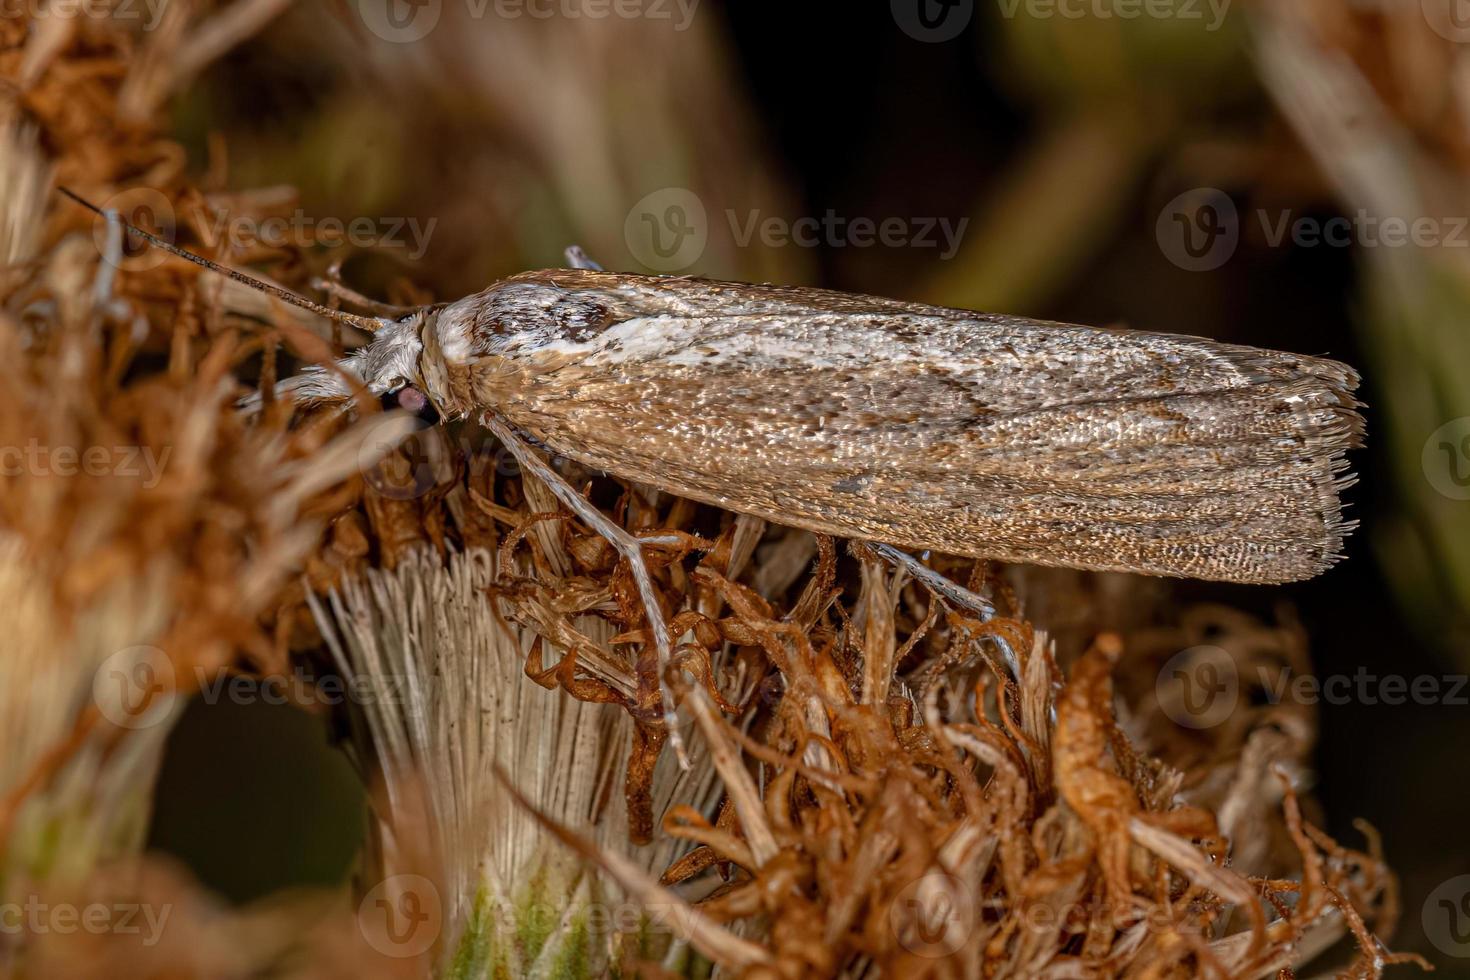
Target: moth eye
{"x": 411, "y": 399}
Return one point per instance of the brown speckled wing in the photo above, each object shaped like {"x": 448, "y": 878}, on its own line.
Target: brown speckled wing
{"x": 931, "y": 428}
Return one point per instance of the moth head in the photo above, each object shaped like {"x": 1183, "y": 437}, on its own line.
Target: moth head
{"x": 426, "y": 362}
{"x": 388, "y": 367}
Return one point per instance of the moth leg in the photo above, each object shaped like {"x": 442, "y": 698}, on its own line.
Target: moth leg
{"x": 628, "y": 546}
{"x": 952, "y": 591}
{"x": 102, "y": 295}
{"x": 112, "y": 257}
{"x": 578, "y": 259}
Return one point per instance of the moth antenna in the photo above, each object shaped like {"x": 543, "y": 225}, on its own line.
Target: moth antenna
{"x": 334, "y": 286}
{"x": 369, "y": 324}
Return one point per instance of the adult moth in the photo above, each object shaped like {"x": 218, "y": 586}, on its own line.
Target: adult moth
{"x": 916, "y": 426}
{"x": 981, "y": 435}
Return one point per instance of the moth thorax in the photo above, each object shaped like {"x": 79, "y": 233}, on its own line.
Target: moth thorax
{"x": 446, "y": 378}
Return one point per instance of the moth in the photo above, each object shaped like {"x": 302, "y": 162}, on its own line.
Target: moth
{"x": 922, "y": 427}
{"x": 916, "y": 426}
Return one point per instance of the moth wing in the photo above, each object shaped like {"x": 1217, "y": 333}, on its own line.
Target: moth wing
{"x": 999, "y": 437}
